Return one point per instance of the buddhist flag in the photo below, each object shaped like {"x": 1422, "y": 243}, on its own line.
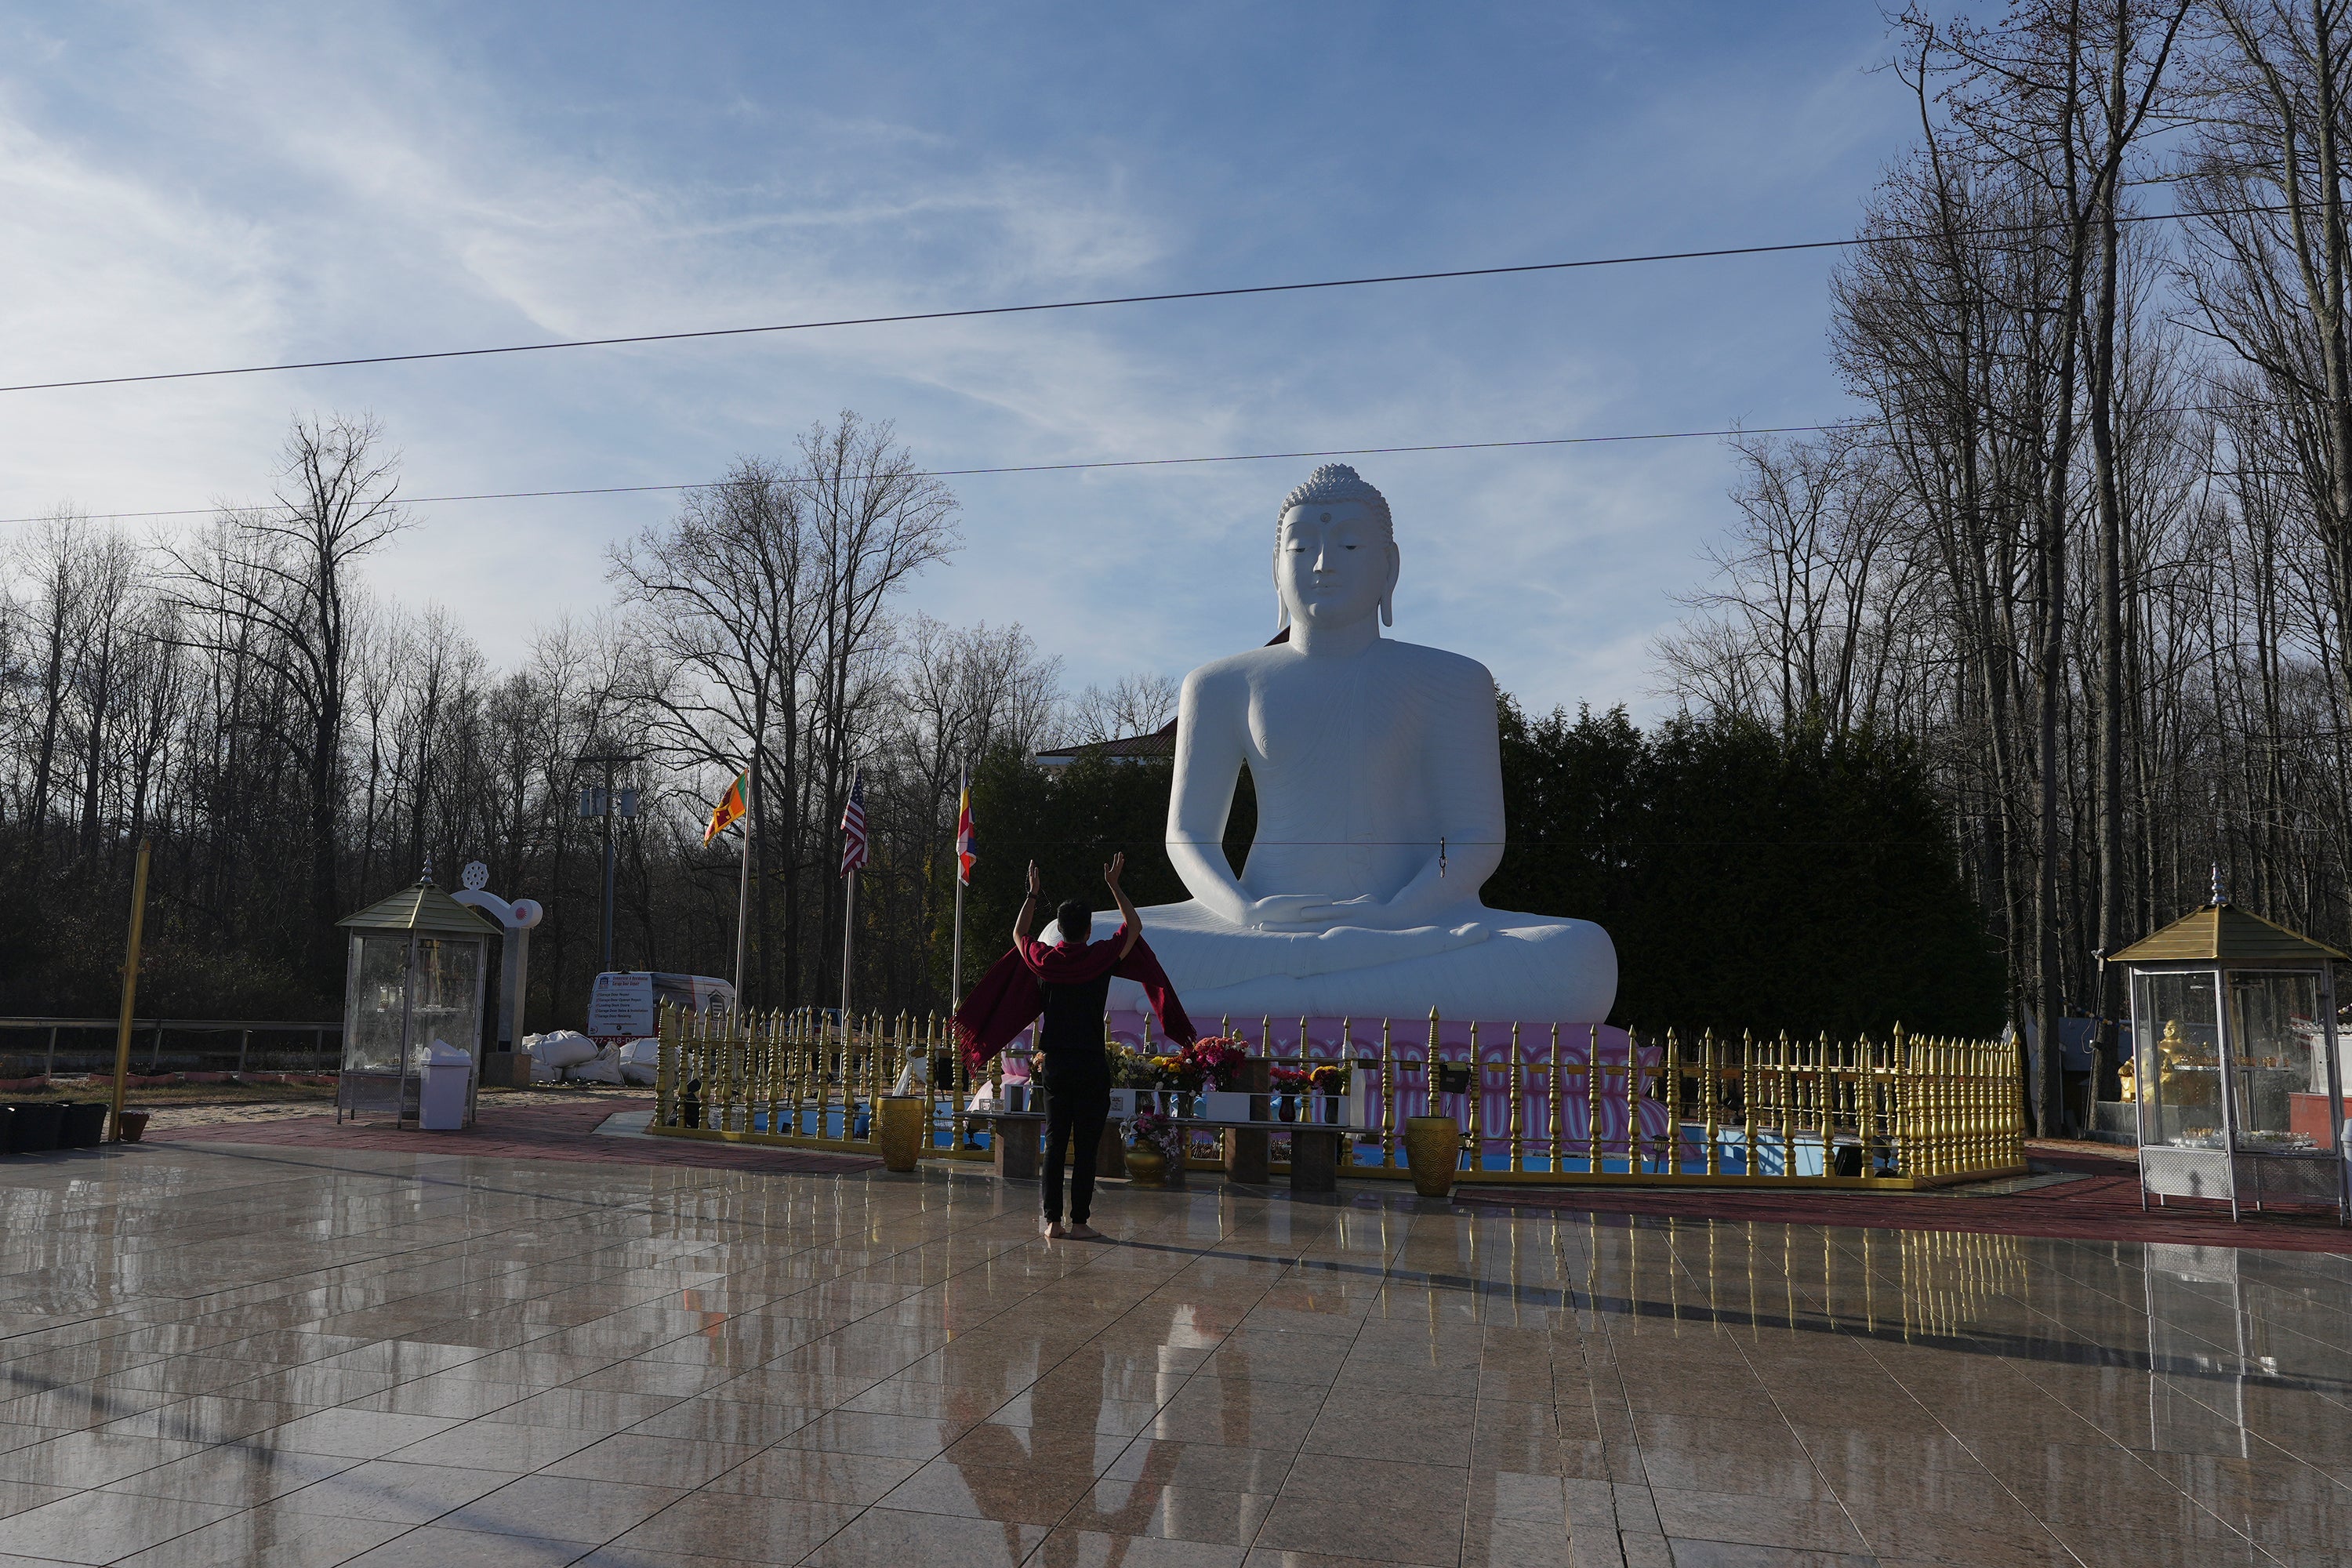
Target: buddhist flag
{"x": 967, "y": 841}
{"x": 728, "y": 810}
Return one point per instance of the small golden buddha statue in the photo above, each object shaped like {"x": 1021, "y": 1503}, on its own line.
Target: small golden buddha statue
{"x": 2180, "y": 1062}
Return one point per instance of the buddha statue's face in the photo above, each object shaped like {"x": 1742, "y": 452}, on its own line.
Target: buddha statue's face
{"x": 1333, "y": 562}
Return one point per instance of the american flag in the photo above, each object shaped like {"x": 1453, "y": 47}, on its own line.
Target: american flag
{"x": 853, "y": 826}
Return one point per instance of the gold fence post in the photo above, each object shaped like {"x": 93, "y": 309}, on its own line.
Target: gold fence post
{"x": 796, "y": 1026}
{"x": 929, "y": 1047}
{"x": 829, "y": 1064}
{"x": 1666, "y": 1063}
{"x": 1898, "y": 1105}
{"x": 855, "y": 1039}
{"x": 1825, "y": 1098}
{"x": 804, "y": 1023}
{"x": 1709, "y": 1061}
{"x": 1784, "y": 1090}
{"x": 1518, "y": 1080}
{"x": 959, "y": 1117}
{"x": 1948, "y": 1077}
{"x": 1388, "y": 1099}
{"x": 1555, "y": 1108}
{"x": 797, "y": 1022}
{"x": 1931, "y": 1060}
{"x": 1429, "y": 1070}
{"x": 1474, "y": 1113}
{"x": 666, "y": 1071}
{"x": 1747, "y": 1160}
{"x": 1592, "y": 1096}
{"x": 1919, "y": 1081}
{"x": 1964, "y": 1075}
{"x": 784, "y": 1025}
{"x": 720, "y": 1104}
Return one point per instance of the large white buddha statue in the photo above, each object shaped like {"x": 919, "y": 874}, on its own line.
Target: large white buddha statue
{"x": 1377, "y": 773}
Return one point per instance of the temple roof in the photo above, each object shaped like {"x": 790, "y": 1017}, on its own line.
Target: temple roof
{"x": 2223, "y": 933}
{"x": 1158, "y": 745}
{"x": 421, "y": 907}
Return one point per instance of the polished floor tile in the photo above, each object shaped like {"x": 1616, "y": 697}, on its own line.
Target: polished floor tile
{"x": 316, "y": 1359}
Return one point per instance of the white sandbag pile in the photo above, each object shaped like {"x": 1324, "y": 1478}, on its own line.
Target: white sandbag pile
{"x": 641, "y": 1061}
{"x": 555, "y": 1054}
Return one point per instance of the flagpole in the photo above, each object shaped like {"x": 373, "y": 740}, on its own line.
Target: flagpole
{"x": 955, "y": 964}
{"x": 743, "y": 881}
{"x": 848, "y": 931}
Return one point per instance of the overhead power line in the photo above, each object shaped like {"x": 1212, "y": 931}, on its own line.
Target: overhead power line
{"x": 1025, "y": 469}
{"x": 965, "y": 313}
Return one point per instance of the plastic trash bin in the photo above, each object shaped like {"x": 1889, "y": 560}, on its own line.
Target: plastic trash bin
{"x": 36, "y": 1131}
{"x": 441, "y": 1097}
{"x": 84, "y": 1126}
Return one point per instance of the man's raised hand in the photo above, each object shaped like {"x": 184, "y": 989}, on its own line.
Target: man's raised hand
{"x": 1116, "y": 870}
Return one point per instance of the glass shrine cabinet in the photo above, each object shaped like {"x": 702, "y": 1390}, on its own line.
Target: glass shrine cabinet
{"x": 2234, "y": 1063}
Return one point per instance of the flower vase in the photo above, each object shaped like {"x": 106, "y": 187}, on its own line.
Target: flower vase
{"x": 1432, "y": 1147}
{"x": 1147, "y": 1166}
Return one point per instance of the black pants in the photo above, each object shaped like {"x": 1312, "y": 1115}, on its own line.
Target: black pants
{"x": 1076, "y": 1105}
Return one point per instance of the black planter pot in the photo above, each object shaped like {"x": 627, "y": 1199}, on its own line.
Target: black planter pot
{"x": 35, "y": 1128}
{"x": 84, "y": 1125}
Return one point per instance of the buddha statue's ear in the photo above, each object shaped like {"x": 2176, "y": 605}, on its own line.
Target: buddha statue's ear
{"x": 1388, "y": 595}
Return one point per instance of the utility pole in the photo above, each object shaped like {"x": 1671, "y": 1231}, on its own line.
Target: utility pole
{"x": 601, "y": 803}
{"x": 130, "y": 988}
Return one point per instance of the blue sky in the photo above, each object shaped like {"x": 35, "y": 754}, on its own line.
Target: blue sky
{"x": 183, "y": 186}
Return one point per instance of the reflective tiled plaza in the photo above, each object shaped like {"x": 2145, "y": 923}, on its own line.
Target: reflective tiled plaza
{"x": 223, "y": 1354}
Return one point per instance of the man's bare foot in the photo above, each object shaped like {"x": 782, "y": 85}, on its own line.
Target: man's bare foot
{"x": 1081, "y": 1231}
{"x": 1057, "y": 1231}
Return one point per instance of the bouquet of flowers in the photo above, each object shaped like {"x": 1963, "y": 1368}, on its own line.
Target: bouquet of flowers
{"x": 1177, "y": 1070}
{"x": 1130, "y": 1068}
{"x": 1217, "y": 1061}
{"x": 1290, "y": 1080}
{"x": 1160, "y": 1131}
{"x": 1330, "y": 1078}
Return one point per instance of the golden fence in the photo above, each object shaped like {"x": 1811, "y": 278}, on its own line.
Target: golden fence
{"x": 1574, "y": 1105}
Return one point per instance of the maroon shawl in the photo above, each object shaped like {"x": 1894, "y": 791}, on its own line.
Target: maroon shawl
{"x": 1011, "y": 993}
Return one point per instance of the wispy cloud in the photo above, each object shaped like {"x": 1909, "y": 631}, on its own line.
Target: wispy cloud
{"x": 183, "y": 186}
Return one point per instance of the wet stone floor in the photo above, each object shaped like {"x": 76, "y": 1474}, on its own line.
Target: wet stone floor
{"x": 240, "y": 1355}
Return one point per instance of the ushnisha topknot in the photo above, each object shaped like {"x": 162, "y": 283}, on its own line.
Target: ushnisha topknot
{"x": 1337, "y": 483}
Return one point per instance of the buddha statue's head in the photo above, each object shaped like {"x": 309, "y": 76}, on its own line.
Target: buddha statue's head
{"x": 1335, "y": 554}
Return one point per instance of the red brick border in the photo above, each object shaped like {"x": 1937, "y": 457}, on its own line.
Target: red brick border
{"x": 2097, "y": 1207}
{"x": 565, "y": 1133}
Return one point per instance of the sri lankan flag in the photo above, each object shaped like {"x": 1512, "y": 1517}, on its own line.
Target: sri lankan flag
{"x": 728, "y": 810}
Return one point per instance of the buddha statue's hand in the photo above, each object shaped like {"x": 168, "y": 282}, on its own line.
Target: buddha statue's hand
{"x": 1318, "y": 911}
{"x": 1286, "y": 909}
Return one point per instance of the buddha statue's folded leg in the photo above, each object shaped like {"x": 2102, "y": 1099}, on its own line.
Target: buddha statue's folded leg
{"x": 1201, "y": 953}
{"x": 1526, "y": 968}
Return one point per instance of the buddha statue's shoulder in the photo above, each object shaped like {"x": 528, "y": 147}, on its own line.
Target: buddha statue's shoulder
{"x": 1437, "y": 663}
{"x": 1415, "y": 664}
